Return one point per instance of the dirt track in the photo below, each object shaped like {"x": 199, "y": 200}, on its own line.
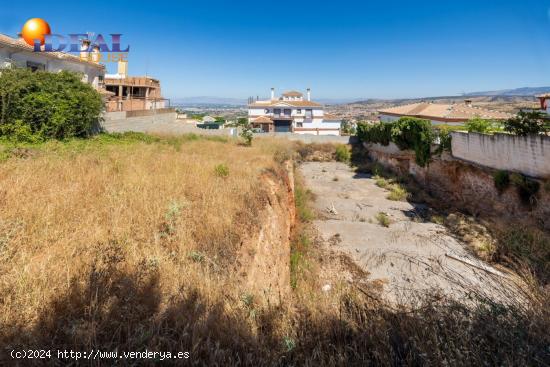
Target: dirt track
{"x": 409, "y": 257}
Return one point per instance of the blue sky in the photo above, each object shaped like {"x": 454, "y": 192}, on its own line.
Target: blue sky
{"x": 344, "y": 49}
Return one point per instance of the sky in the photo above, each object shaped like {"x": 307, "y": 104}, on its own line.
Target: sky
{"x": 340, "y": 49}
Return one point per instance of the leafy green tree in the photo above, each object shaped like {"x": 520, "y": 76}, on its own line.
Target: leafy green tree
{"x": 36, "y": 106}
{"x": 526, "y": 123}
{"x": 416, "y": 134}
{"x": 479, "y": 125}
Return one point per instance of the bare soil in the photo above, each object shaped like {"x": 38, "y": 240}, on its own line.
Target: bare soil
{"x": 411, "y": 256}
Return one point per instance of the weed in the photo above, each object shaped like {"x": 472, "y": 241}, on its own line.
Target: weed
{"x": 383, "y": 219}
{"x": 302, "y": 197}
{"x": 502, "y": 180}
{"x": 196, "y": 256}
{"x": 289, "y": 343}
{"x": 438, "y": 219}
{"x": 221, "y": 170}
{"x": 397, "y": 193}
{"x": 343, "y": 154}
{"x": 381, "y": 181}
{"x": 527, "y": 188}
{"x": 248, "y": 300}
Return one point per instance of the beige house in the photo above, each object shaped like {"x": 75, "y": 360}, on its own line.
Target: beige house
{"x": 16, "y": 52}
{"x": 449, "y": 114}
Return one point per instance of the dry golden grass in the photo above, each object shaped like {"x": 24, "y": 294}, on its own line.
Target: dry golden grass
{"x": 131, "y": 243}
{"x": 152, "y": 211}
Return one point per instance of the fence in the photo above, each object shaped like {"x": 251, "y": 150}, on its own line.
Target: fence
{"x": 529, "y": 155}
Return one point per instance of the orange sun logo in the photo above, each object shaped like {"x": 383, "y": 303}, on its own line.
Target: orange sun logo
{"x": 35, "y": 28}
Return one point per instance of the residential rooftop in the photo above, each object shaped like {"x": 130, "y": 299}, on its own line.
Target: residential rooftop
{"x": 450, "y": 112}
{"x": 23, "y": 46}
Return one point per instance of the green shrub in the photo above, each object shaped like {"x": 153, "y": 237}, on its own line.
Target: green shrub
{"x": 415, "y": 134}
{"x": 377, "y": 133}
{"x": 479, "y": 125}
{"x": 501, "y": 180}
{"x": 36, "y": 106}
{"x": 381, "y": 182}
{"x": 527, "y": 188}
{"x": 343, "y": 154}
{"x": 221, "y": 170}
{"x": 526, "y": 123}
{"x": 406, "y": 133}
{"x": 445, "y": 140}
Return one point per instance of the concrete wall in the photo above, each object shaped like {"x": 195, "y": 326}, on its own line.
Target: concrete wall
{"x": 457, "y": 184}
{"x": 164, "y": 124}
{"x": 529, "y": 155}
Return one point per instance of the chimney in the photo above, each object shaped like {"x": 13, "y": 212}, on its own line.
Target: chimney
{"x": 84, "y": 49}
{"x": 468, "y": 102}
{"x": 96, "y": 56}
{"x": 272, "y": 94}
{"x": 309, "y": 94}
{"x": 123, "y": 69}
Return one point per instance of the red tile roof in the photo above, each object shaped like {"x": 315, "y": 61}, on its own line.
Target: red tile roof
{"x": 444, "y": 112}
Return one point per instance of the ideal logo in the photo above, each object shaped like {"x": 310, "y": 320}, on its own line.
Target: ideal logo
{"x": 37, "y": 33}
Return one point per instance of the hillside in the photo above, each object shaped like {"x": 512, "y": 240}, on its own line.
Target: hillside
{"x": 505, "y": 103}
{"x": 525, "y": 91}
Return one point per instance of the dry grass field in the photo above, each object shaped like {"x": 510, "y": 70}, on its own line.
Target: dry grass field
{"x": 130, "y": 243}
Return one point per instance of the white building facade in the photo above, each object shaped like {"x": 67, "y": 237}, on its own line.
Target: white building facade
{"x": 17, "y": 53}
{"x": 292, "y": 113}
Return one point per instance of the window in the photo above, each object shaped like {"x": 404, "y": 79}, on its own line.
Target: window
{"x": 277, "y": 111}
{"x": 309, "y": 112}
{"x": 287, "y": 112}
{"x": 299, "y": 124}
{"x": 299, "y": 111}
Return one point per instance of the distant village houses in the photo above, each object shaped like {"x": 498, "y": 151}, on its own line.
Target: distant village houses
{"x": 292, "y": 113}
{"x": 438, "y": 114}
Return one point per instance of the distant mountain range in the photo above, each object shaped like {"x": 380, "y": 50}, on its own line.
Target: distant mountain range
{"x": 208, "y": 100}
{"x": 225, "y": 101}
{"x": 525, "y": 91}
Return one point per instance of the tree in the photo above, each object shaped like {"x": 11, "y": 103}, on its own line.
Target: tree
{"x": 526, "y": 123}
{"x": 35, "y": 106}
{"x": 246, "y": 132}
{"x": 479, "y": 125}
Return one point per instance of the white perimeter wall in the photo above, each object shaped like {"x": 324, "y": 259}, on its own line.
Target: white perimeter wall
{"x": 529, "y": 155}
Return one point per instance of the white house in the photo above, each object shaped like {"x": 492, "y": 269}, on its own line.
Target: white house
{"x": 17, "y": 52}
{"x": 292, "y": 113}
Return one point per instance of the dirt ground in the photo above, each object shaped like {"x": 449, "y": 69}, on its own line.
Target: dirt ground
{"x": 409, "y": 257}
